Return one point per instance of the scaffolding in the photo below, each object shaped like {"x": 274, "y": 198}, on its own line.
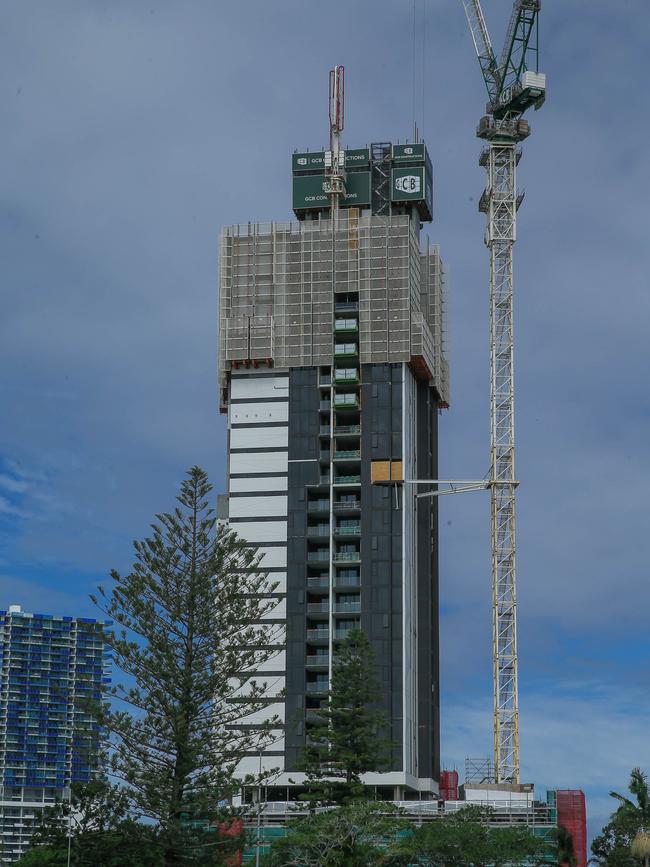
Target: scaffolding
{"x": 279, "y": 283}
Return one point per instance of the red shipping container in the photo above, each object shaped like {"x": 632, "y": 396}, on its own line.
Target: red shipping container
{"x": 572, "y": 815}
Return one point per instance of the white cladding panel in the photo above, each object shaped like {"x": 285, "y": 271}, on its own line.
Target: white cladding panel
{"x": 272, "y": 558}
{"x": 262, "y": 715}
{"x": 250, "y": 765}
{"x": 244, "y": 486}
{"x": 259, "y": 413}
{"x": 261, "y": 531}
{"x": 276, "y": 662}
{"x": 274, "y": 686}
{"x": 277, "y": 582}
{"x": 259, "y": 437}
{"x": 259, "y": 462}
{"x": 247, "y": 386}
{"x": 257, "y": 507}
{"x": 277, "y": 611}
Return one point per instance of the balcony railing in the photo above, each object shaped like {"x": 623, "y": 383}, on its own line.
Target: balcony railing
{"x": 345, "y": 350}
{"x": 318, "y": 688}
{"x": 346, "y": 326}
{"x": 318, "y": 635}
{"x": 347, "y": 506}
{"x": 318, "y": 506}
{"x": 345, "y": 429}
{"x": 346, "y": 556}
{"x": 318, "y": 583}
{"x": 347, "y": 608}
{"x": 347, "y": 453}
{"x": 320, "y": 530}
{"x": 347, "y": 480}
{"x": 347, "y": 581}
{"x": 325, "y": 430}
{"x": 324, "y": 480}
{"x": 325, "y": 406}
{"x": 318, "y": 556}
{"x": 346, "y": 306}
{"x": 318, "y": 607}
{"x": 346, "y": 401}
{"x": 353, "y": 530}
{"x": 317, "y": 659}
{"x": 343, "y": 633}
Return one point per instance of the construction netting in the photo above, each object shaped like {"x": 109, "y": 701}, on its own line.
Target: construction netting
{"x": 279, "y": 284}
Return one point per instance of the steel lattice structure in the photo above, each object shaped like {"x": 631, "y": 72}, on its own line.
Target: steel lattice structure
{"x": 501, "y": 209}
{"x": 512, "y": 88}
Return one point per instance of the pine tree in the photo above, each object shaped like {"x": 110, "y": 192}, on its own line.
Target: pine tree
{"x": 190, "y": 624}
{"x": 349, "y": 740}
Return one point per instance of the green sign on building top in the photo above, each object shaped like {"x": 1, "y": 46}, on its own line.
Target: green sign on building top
{"x": 409, "y": 153}
{"x": 311, "y": 191}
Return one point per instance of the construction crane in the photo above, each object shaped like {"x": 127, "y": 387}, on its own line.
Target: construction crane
{"x": 514, "y": 84}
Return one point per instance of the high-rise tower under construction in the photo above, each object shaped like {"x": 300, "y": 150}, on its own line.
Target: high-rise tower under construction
{"x": 332, "y": 373}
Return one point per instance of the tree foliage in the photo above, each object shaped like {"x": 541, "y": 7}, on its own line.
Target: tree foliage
{"x": 348, "y": 740}
{"x": 614, "y": 846}
{"x": 188, "y": 634}
{"x": 352, "y": 836}
{"x": 467, "y": 839}
{"x": 97, "y": 818}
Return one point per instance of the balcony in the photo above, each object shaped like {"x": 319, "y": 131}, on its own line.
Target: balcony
{"x": 318, "y": 531}
{"x": 318, "y": 636}
{"x": 324, "y": 480}
{"x": 346, "y": 326}
{"x": 342, "y": 506}
{"x": 345, "y": 402}
{"x": 351, "y": 530}
{"x": 345, "y": 581}
{"x": 318, "y": 608}
{"x": 318, "y": 506}
{"x": 346, "y": 350}
{"x": 318, "y": 582}
{"x": 346, "y": 454}
{"x": 317, "y": 660}
{"x": 346, "y": 306}
{"x": 325, "y": 430}
{"x": 324, "y": 455}
{"x": 324, "y": 379}
{"x": 325, "y": 406}
{"x": 320, "y": 556}
{"x": 347, "y": 480}
{"x": 347, "y": 430}
{"x": 346, "y": 376}
{"x": 347, "y": 608}
{"x": 347, "y": 557}
{"x": 317, "y": 688}
{"x": 340, "y": 634}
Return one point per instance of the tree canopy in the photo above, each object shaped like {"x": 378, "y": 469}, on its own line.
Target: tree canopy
{"x": 189, "y": 635}
{"x": 348, "y": 741}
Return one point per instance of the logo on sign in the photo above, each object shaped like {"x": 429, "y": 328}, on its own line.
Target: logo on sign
{"x": 302, "y": 161}
{"x": 408, "y": 151}
{"x": 408, "y": 184}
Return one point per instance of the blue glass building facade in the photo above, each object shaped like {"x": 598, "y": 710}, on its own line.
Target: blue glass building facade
{"x": 52, "y": 669}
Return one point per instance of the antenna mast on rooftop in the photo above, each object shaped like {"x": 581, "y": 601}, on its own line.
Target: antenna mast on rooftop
{"x": 335, "y": 157}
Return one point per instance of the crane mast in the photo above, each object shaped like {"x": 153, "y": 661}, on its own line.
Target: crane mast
{"x": 512, "y": 88}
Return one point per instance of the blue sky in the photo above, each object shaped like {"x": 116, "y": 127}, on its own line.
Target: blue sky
{"x": 132, "y": 131}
